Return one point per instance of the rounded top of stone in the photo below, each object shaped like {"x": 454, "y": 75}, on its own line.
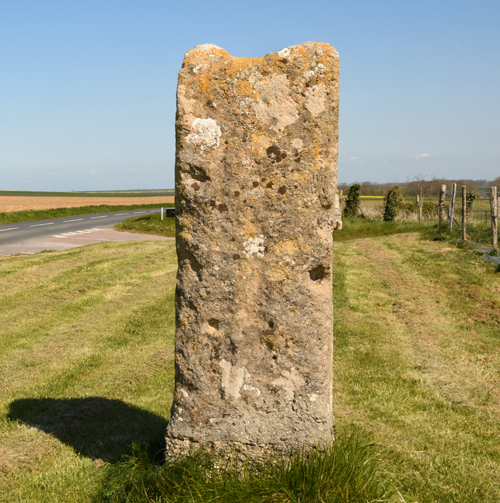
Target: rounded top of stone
{"x": 301, "y": 50}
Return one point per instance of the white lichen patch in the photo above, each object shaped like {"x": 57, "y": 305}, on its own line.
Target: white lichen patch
{"x": 233, "y": 379}
{"x": 284, "y": 52}
{"x": 197, "y": 68}
{"x": 206, "y": 133}
{"x": 255, "y": 246}
{"x": 246, "y": 387}
{"x": 316, "y": 99}
{"x": 317, "y": 69}
{"x": 297, "y": 143}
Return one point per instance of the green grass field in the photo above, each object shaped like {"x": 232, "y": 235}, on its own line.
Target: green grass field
{"x": 86, "y": 366}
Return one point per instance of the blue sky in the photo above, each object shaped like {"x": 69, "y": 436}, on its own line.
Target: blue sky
{"x": 87, "y": 88}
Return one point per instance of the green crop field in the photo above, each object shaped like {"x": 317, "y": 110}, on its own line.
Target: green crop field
{"x": 87, "y": 371}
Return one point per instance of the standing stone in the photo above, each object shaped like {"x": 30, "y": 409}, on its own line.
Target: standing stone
{"x": 256, "y": 169}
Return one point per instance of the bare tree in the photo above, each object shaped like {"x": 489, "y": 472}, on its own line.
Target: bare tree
{"x": 418, "y": 185}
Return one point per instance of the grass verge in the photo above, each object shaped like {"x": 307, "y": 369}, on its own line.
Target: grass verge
{"x": 149, "y": 224}
{"x": 14, "y": 217}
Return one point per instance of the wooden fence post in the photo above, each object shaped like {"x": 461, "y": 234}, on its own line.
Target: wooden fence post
{"x": 451, "y": 214}
{"x": 420, "y": 205}
{"x": 494, "y": 216}
{"x": 442, "y": 194}
{"x": 464, "y": 213}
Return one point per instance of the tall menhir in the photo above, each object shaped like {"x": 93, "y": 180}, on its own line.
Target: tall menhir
{"x": 256, "y": 170}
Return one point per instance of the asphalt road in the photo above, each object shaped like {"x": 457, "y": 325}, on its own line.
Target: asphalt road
{"x": 14, "y": 234}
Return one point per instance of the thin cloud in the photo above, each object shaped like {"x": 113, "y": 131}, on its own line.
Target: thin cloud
{"x": 93, "y": 171}
{"x": 419, "y": 157}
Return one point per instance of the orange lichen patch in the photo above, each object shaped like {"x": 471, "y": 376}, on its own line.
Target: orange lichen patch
{"x": 260, "y": 142}
{"x": 244, "y": 88}
{"x": 201, "y": 55}
{"x": 316, "y": 154}
{"x": 26, "y": 203}
{"x": 250, "y": 229}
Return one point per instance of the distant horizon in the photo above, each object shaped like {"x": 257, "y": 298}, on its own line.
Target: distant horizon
{"x": 438, "y": 179}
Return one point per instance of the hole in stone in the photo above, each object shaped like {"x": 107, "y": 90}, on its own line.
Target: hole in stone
{"x": 255, "y": 184}
{"x": 269, "y": 185}
{"x": 236, "y": 193}
{"x": 282, "y": 190}
{"x": 201, "y": 177}
{"x": 195, "y": 186}
{"x": 275, "y": 357}
{"x": 271, "y": 324}
{"x": 236, "y": 256}
{"x": 318, "y": 273}
{"x": 222, "y": 207}
{"x": 214, "y": 324}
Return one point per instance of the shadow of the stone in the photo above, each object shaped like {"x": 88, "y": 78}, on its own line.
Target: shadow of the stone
{"x": 94, "y": 427}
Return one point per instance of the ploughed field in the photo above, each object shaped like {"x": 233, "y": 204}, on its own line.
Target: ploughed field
{"x": 87, "y": 369}
{"x": 26, "y": 203}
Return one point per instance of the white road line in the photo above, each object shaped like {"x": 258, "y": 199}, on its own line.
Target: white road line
{"x": 103, "y": 216}
{"x": 140, "y": 211}
{"x": 76, "y": 233}
{"x": 39, "y": 225}
{"x": 76, "y": 220}
{"x": 120, "y": 214}
{"x": 9, "y": 229}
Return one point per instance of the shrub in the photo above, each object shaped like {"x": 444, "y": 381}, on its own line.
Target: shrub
{"x": 393, "y": 202}
{"x": 352, "y": 202}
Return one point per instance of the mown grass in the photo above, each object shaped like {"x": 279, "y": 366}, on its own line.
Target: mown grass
{"x": 417, "y": 327}
{"x": 86, "y": 366}
{"x": 149, "y": 224}
{"x": 86, "y": 347}
{"x": 357, "y": 228}
{"x": 14, "y": 217}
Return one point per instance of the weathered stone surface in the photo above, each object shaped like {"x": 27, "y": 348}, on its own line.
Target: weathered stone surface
{"x": 256, "y": 171}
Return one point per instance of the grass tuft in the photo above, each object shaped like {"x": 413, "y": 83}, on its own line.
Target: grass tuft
{"x": 351, "y": 469}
